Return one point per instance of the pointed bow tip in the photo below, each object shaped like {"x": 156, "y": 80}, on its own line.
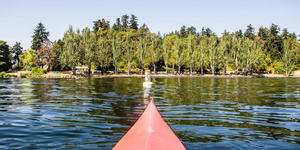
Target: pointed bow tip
{"x": 151, "y": 100}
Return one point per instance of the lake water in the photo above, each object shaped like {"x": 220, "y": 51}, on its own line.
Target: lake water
{"x": 205, "y": 113}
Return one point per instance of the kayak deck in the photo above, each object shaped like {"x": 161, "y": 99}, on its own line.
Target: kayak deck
{"x": 150, "y": 132}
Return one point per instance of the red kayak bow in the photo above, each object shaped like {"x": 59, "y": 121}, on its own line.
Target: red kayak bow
{"x": 150, "y": 132}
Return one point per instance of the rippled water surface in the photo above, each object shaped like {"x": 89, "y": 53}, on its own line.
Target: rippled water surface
{"x": 205, "y": 113}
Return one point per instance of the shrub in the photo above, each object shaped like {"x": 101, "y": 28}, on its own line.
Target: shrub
{"x": 279, "y": 68}
{"x": 6, "y": 75}
{"x": 35, "y": 72}
{"x": 38, "y": 71}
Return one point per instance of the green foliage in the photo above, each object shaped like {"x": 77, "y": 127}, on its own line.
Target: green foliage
{"x": 6, "y": 75}
{"x": 100, "y": 24}
{"x": 28, "y": 59}
{"x": 288, "y": 59}
{"x": 38, "y": 71}
{"x": 116, "y": 52}
{"x": 249, "y": 33}
{"x": 213, "y": 53}
{"x": 133, "y": 22}
{"x": 263, "y": 33}
{"x": 125, "y": 22}
{"x": 168, "y": 47}
{"x": 127, "y": 47}
{"x": 179, "y": 53}
{"x": 88, "y": 45}
{"x": 71, "y": 54}
{"x": 35, "y": 72}
{"x": 5, "y": 56}
{"x": 16, "y": 52}
{"x": 40, "y": 35}
{"x": 191, "y": 53}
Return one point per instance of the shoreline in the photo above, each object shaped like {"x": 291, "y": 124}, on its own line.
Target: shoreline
{"x": 121, "y": 75}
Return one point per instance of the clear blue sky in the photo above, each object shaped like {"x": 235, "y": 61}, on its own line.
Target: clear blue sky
{"x": 20, "y": 17}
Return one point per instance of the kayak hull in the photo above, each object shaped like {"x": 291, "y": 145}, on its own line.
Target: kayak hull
{"x": 150, "y": 132}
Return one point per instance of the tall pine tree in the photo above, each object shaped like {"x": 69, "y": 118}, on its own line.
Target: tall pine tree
{"x": 17, "y": 51}
{"x": 133, "y": 22}
{"x": 40, "y": 35}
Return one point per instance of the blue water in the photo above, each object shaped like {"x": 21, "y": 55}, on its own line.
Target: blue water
{"x": 205, "y": 113}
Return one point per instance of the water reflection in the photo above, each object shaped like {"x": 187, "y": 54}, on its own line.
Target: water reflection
{"x": 204, "y": 112}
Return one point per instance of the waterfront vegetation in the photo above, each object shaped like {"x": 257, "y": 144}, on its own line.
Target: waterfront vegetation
{"x": 127, "y": 47}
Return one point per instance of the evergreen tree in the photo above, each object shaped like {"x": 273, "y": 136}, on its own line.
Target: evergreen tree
{"x": 133, "y": 22}
{"x": 40, "y": 35}
{"x": 207, "y": 32}
{"x": 117, "y": 25}
{"x": 125, "y": 22}
{"x": 239, "y": 33}
{"x": 249, "y": 33}
{"x": 285, "y": 34}
{"x": 263, "y": 33}
{"x": 143, "y": 29}
{"x": 100, "y": 24}
{"x": 5, "y": 57}
{"x": 274, "y": 30}
{"x": 192, "y": 30}
{"x": 97, "y": 25}
{"x": 225, "y": 33}
{"x": 16, "y": 52}
{"x": 183, "y": 33}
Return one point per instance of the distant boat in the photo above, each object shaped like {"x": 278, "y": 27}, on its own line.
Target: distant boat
{"x": 150, "y": 132}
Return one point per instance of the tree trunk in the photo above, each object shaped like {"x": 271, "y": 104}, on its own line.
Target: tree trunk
{"x": 116, "y": 69}
{"x": 167, "y": 68}
{"x": 142, "y": 68}
{"x": 202, "y": 71}
{"x": 235, "y": 66}
{"x": 212, "y": 66}
{"x": 179, "y": 69}
{"x": 191, "y": 69}
{"x": 173, "y": 68}
{"x": 154, "y": 67}
{"x": 128, "y": 72}
{"x": 225, "y": 67}
{"x": 89, "y": 68}
{"x": 74, "y": 70}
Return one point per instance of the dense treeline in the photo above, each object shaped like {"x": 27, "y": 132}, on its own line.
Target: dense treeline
{"x": 127, "y": 47}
